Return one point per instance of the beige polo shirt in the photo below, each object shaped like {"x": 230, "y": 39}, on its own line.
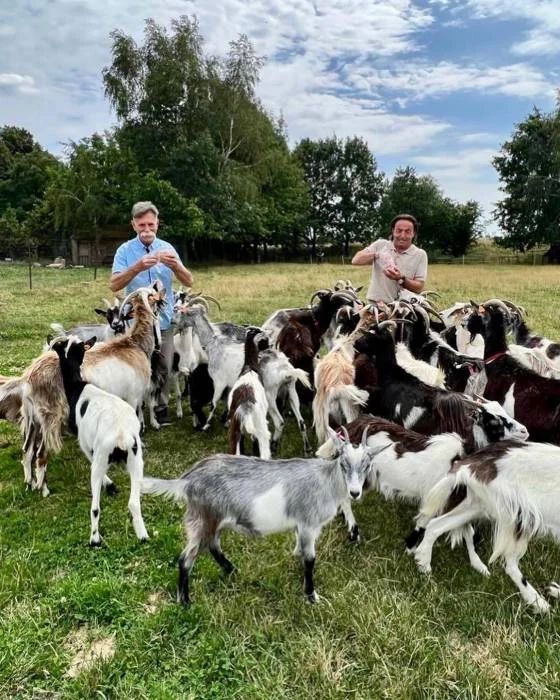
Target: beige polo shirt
{"x": 413, "y": 263}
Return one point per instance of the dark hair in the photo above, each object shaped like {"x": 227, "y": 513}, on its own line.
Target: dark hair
{"x": 406, "y": 217}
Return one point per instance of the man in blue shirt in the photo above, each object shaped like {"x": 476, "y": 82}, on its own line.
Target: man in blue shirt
{"x": 139, "y": 263}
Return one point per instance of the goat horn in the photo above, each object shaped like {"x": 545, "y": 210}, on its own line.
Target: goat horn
{"x": 499, "y": 303}
{"x": 431, "y": 292}
{"x": 518, "y": 309}
{"x": 345, "y": 433}
{"x": 386, "y": 324}
{"x": 209, "y": 298}
{"x": 106, "y": 302}
{"x": 319, "y": 291}
{"x": 364, "y": 436}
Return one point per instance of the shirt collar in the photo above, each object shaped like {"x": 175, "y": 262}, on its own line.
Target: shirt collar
{"x": 410, "y": 249}
{"x": 149, "y": 247}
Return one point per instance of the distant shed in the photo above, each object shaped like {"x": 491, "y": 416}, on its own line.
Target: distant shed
{"x": 89, "y": 249}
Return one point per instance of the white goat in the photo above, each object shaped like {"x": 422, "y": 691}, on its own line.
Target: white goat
{"x": 514, "y": 485}
{"x": 260, "y": 497}
{"x": 279, "y": 378}
{"x": 108, "y": 431}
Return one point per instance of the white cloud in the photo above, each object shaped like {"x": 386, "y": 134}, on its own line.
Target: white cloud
{"x": 20, "y": 83}
{"x": 420, "y": 80}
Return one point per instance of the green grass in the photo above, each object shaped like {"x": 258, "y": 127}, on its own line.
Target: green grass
{"x": 381, "y": 630}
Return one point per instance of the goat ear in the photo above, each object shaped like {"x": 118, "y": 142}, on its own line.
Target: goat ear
{"x": 101, "y": 312}
{"x": 336, "y": 439}
{"x": 359, "y": 289}
{"x": 88, "y": 344}
{"x": 50, "y": 338}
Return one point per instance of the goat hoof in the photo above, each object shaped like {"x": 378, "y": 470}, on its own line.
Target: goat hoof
{"x": 540, "y": 605}
{"x": 206, "y": 428}
{"x": 354, "y": 534}
{"x": 183, "y": 600}
{"x": 111, "y": 489}
{"x": 45, "y": 491}
{"x": 96, "y": 543}
{"x": 312, "y": 597}
{"x": 553, "y": 590}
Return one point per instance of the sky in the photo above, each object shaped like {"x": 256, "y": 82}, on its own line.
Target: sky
{"x": 435, "y": 84}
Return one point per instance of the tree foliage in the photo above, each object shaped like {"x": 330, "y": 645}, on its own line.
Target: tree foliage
{"x": 444, "y": 225}
{"x": 344, "y": 188}
{"x": 529, "y": 169}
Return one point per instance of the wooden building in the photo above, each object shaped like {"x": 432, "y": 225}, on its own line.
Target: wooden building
{"x": 91, "y": 250}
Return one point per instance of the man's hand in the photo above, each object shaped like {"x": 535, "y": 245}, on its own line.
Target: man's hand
{"x": 146, "y": 262}
{"x": 169, "y": 259}
{"x": 392, "y": 272}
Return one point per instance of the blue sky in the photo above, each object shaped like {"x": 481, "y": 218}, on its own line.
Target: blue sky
{"x": 436, "y": 84}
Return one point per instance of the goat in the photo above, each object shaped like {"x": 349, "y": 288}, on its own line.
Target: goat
{"x": 301, "y": 336}
{"x": 123, "y": 366}
{"x": 336, "y": 397}
{"x": 514, "y": 485}
{"x": 460, "y": 370}
{"x": 402, "y": 398}
{"x": 260, "y": 497}
{"x": 108, "y": 431}
{"x": 115, "y": 326}
{"x": 279, "y": 378}
{"x": 524, "y": 336}
{"x": 247, "y": 403}
{"x": 225, "y": 355}
{"x": 407, "y": 465}
{"x": 525, "y": 395}
{"x": 43, "y": 411}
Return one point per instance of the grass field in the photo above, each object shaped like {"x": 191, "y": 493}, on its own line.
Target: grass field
{"x": 77, "y": 622}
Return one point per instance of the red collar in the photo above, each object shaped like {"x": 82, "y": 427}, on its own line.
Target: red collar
{"x": 494, "y": 357}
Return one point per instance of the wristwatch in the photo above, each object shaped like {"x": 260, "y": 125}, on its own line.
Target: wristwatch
{"x": 401, "y": 280}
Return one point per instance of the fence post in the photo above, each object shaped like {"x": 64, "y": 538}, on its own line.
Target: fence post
{"x": 95, "y": 273}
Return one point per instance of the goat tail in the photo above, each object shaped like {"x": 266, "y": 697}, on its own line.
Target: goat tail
{"x": 234, "y": 431}
{"x": 437, "y": 499}
{"x": 326, "y": 450}
{"x": 170, "y": 488}
{"x": 300, "y": 375}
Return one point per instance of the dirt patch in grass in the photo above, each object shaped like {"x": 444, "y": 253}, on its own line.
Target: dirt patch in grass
{"x": 154, "y": 603}
{"x": 87, "y": 650}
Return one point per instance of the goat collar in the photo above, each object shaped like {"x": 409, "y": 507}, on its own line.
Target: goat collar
{"x": 494, "y": 357}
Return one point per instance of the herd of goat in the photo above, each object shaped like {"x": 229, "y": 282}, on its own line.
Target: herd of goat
{"x": 431, "y": 406}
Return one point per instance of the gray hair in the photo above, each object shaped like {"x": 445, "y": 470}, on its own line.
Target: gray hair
{"x": 141, "y": 208}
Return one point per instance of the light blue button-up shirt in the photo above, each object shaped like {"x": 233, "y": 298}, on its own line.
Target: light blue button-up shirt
{"x": 129, "y": 253}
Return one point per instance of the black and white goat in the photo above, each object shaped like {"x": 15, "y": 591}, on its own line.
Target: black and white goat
{"x": 514, "y": 485}
{"x": 261, "y": 497}
{"x": 247, "y": 402}
{"x": 407, "y": 465}
{"x": 115, "y": 326}
{"x": 108, "y": 431}
{"x": 401, "y": 397}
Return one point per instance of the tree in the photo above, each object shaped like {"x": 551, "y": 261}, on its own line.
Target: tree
{"x": 319, "y": 161}
{"x": 359, "y": 189}
{"x": 444, "y": 225}
{"x": 529, "y": 169}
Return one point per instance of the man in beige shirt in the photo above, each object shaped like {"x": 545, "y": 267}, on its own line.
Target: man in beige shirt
{"x": 397, "y": 263}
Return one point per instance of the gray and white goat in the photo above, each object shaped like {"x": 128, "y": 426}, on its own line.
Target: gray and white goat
{"x": 115, "y": 326}
{"x": 261, "y": 497}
